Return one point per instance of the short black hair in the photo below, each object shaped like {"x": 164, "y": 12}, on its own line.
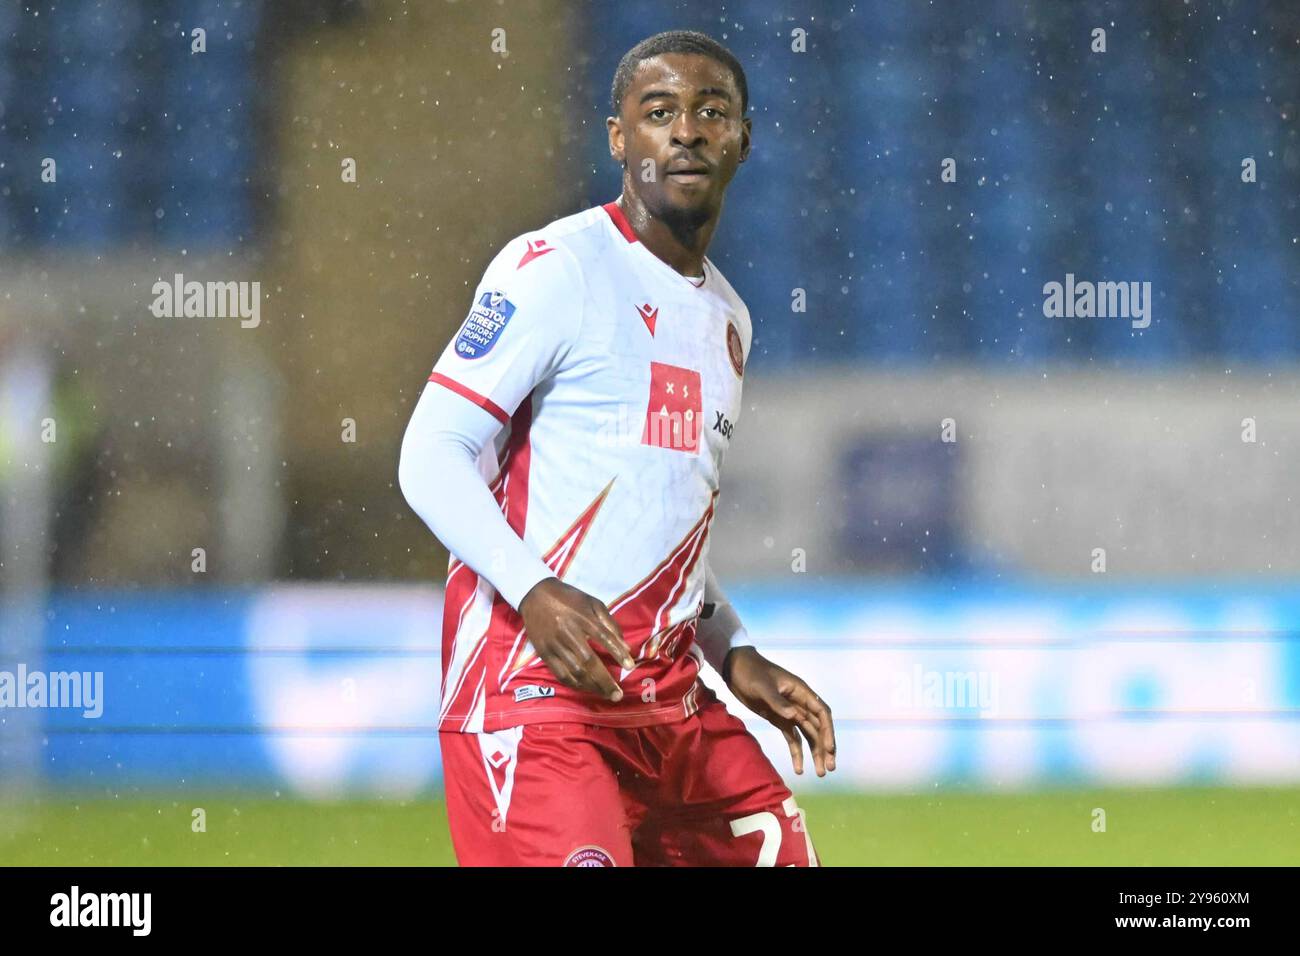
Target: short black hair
{"x": 676, "y": 41}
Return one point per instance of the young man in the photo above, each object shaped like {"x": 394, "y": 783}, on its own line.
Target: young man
{"x": 567, "y": 451}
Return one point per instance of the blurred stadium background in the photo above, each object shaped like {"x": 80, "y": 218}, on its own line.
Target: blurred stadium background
{"x": 993, "y": 687}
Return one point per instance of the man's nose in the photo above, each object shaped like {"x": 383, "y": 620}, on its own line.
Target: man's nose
{"x": 686, "y": 131}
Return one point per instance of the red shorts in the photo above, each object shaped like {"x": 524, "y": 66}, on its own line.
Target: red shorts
{"x": 699, "y": 792}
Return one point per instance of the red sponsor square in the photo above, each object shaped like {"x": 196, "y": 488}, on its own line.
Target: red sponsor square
{"x": 672, "y": 418}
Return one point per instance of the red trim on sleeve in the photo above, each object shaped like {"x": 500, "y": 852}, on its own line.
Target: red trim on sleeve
{"x": 501, "y": 639}
{"x": 465, "y": 392}
{"x": 620, "y": 221}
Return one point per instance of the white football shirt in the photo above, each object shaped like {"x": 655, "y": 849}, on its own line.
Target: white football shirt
{"x": 619, "y": 381}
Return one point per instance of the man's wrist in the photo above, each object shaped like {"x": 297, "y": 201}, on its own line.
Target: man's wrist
{"x": 531, "y": 588}
{"x": 729, "y": 660}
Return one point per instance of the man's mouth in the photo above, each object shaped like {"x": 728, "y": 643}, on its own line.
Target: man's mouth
{"x": 688, "y": 172}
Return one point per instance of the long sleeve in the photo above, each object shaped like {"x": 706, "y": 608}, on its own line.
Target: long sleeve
{"x": 524, "y": 318}
{"x": 721, "y": 627}
{"x": 439, "y": 475}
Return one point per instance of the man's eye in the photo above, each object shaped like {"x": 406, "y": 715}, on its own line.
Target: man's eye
{"x": 714, "y": 110}
{"x": 658, "y": 113}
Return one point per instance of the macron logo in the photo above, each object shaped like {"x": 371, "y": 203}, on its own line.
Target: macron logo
{"x": 536, "y": 249}
{"x": 648, "y": 316}
{"x": 102, "y": 909}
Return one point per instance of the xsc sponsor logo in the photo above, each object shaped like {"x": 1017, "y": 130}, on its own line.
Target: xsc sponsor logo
{"x": 75, "y": 908}
{"x": 484, "y": 324}
{"x": 532, "y": 692}
{"x": 722, "y": 424}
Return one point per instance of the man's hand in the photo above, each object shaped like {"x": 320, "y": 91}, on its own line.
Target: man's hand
{"x": 784, "y": 701}
{"x": 562, "y": 624}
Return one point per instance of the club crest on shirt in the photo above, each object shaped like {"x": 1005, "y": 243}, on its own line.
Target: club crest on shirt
{"x": 735, "y": 350}
{"x": 484, "y": 324}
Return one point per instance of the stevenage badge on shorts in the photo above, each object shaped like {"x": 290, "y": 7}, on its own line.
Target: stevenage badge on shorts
{"x": 589, "y": 856}
{"x": 483, "y": 325}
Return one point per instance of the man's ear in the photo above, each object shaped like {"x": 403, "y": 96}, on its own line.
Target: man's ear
{"x": 746, "y": 131}
{"x": 616, "y": 146}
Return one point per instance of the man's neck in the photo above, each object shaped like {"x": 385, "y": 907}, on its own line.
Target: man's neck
{"x": 683, "y": 252}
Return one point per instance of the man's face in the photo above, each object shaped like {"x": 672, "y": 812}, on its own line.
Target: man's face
{"x": 681, "y": 134}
